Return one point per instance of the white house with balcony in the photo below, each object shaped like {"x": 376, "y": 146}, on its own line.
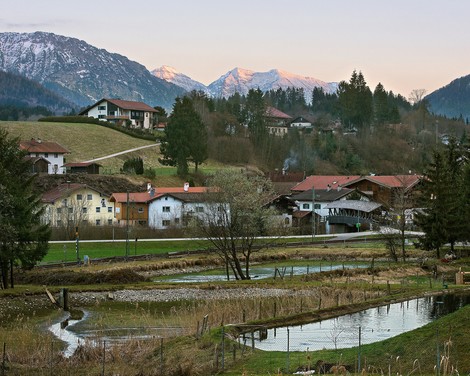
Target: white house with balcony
{"x": 118, "y": 111}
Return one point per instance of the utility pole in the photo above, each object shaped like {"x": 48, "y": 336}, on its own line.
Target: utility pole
{"x": 313, "y": 213}
{"x": 77, "y": 245}
{"x": 127, "y": 226}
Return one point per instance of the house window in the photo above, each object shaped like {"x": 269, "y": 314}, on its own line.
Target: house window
{"x": 46, "y": 155}
{"x": 70, "y": 210}
{"x": 101, "y": 108}
{"x": 103, "y": 203}
{"x": 56, "y": 155}
{"x": 142, "y": 223}
{"x": 79, "y": 197}
{"x": 64, "y": 202}
{"x": 166, "y": 209}
{"x": 101, "y": 116}
{"x": 37, "y": 155}
{"x": 306, "y": 206}
{"x": 110, "y": 222}
{"x": 199, "y": 209}
{"x": 140, "y": 210}
{"x": 286, "y": 220}
{"x": 98, "y": 209}
{"x": 84, "y": 210}
{"x": 166, "y": 222}
{"x": 317, "y": 206}
{"x": 98, "y": 222}
{"x": 89, "y": 197}
{"x": 110, "y": 209}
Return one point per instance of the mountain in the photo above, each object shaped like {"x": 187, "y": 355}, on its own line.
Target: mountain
{"x": 452, "y": 100}
{"x": 242, "y": 80}
{"x": 80, "y": 72}
{"x": 170, "y": 74}
{"x": 19, "y": 91}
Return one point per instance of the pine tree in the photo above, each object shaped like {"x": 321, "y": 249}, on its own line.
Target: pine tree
{"x": 23, "y": 239}
{"x": 185, "y": 138}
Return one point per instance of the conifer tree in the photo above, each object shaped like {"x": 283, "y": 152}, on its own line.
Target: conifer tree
{"x": 23, "y": 239}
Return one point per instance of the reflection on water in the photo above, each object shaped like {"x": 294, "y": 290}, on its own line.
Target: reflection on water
{"x": 67, "y": 332}
{"x": 375, "y": 324}
{"x": 260, "y": 272}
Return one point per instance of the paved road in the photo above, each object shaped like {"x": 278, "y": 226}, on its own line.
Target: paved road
{"x": 122, "y": 152}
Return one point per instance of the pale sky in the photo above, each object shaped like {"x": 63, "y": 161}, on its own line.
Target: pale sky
{"x": 404, "y": 44}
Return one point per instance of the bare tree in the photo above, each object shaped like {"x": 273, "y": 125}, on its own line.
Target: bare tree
{"x": 416, "y": 96}
{"x": 236, "y": 214}
{"x": 400, "y": 217}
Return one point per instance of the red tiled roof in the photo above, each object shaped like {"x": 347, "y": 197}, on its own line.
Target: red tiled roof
{"x": 131, "y": 105}
{"x": 275, "y": 113}
{"x": 144, "y": 197}
{"x": 324, "y": 182}
{"x": 395, "y": 181}
{"x": 38, "y": 146}
{"x": 62, "y": 191}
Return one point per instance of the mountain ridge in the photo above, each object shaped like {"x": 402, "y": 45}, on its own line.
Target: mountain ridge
{"x": 80, "y": 72}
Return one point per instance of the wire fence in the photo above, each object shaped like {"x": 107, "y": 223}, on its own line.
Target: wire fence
{"x": 279, "y": 351}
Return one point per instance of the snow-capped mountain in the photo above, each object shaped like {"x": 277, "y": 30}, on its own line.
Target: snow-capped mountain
{"x": 80, "y": 72}
{"x": 170, "y": 74}
{"x": 242, "y": 80}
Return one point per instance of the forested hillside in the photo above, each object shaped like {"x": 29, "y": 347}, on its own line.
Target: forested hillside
{"x": 355, "y": 131}
{"x": 22, "y": 98}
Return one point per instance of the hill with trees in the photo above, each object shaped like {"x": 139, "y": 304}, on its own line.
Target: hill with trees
{"x": 355, "y": 131}
{"x": 22, "y": 99}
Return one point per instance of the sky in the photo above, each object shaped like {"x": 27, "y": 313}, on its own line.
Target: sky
{"x": 404, "y": 44}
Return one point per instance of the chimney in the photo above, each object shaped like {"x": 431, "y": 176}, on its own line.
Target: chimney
{"x": 339, "y": 187}
{"x": 149, "y": 187}
{"x": 186, "y": 187}
{"x": 328, "y": 188}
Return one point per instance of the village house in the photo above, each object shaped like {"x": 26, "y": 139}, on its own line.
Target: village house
{"x": 161, "y": 207}
{"x": 278, "y": 122}
{"x": 301, "y": 123}
{"x": 71, "y": 204}
{"x": 139, "y": 114}
{"x": 52, "y": 152}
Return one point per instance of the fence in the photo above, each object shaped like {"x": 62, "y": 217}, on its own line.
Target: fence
{"x": 321, "y": 351}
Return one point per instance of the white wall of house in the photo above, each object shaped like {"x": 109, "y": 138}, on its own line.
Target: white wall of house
{"x": 56, "y": 162}
{"x": 100, "y": 111}
{"x": 83, "y": 206}
{"x": 168, "y": 211}
{"x": 164, "y": 212}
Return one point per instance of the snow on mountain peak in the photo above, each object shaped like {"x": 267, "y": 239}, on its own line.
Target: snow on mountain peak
{"x": 170, "y": 74}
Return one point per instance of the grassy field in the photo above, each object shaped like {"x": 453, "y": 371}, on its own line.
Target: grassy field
{"x": 89, "y": 141}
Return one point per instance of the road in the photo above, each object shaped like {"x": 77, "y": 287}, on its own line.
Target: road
{"x": 122, "y": 152}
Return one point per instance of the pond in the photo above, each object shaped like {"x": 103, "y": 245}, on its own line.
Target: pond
{"x": 67, "y": 332}
{"x": 260, "y": 272}
{"x": 368, "y": 326}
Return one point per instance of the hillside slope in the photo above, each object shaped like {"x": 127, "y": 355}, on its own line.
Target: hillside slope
{"x": 86, "y": 141}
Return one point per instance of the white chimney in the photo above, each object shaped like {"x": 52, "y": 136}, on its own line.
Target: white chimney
{"x": 339, "y": 187}
{"x": 186, "y": 187}
{"x": 149, "y": 187}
